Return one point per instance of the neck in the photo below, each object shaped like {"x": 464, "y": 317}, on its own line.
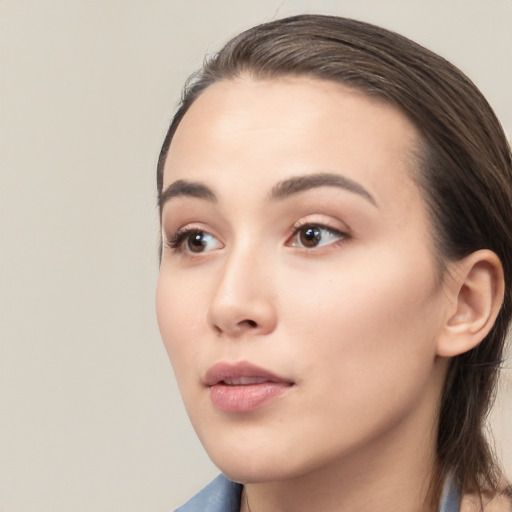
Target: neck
{"x": 365, "y": 488}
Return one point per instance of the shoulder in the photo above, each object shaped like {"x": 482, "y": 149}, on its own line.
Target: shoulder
{"x": 220, "y": 495}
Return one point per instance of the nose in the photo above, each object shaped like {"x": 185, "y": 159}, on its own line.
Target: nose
{"x": 244, "y": 301}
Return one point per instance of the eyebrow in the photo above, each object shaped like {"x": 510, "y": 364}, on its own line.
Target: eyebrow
{"x": 282, "y": 190}
{"x": 299, "y": 184}
{"x": 186, "y": 189}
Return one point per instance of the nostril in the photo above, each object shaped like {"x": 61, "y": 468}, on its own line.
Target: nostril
{"x": 240, "y": 326}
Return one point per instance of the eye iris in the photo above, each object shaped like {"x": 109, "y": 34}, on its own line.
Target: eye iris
{"x": 196, "y": 242}
{"x": 310, "y": 237}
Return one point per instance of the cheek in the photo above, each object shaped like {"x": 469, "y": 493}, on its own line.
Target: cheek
{"x": 370, "y": 323}
{"x": 177, "y": 316}
{"x": 366, "y": 356}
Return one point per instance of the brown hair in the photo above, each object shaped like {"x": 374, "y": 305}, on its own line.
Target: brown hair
{"x": 464, "y": 171}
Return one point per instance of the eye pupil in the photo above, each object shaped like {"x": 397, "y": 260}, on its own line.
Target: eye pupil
{"x": 196, "y": 242}
{"x": 310, "y": 236}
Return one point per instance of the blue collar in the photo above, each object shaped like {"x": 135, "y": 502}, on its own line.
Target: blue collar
{"x": 220, "y": 495}
{"x": 223, "y": 495}
{"x": 450, "y": 499}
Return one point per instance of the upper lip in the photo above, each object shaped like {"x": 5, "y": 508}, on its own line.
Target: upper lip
{"x": 240, "y": 373}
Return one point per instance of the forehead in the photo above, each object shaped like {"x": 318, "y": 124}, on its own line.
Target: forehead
{"x": 260, "y": 131}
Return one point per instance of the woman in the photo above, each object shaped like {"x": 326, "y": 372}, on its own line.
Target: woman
{"x": 335, "y": 282}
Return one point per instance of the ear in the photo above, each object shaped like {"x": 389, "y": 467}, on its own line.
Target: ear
{"x": 476, "y": 287}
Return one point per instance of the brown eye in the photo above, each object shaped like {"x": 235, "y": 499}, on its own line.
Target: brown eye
{"x": 311, "y": 236}
{"x": 196, "y": 242}
{"x": 193, "y": 241}
{"x": 200, "y": 241}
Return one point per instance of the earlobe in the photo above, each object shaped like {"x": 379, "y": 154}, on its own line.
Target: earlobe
{"x": 475, "y": 287}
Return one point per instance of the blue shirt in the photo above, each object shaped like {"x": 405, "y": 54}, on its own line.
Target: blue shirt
{"x": 223, "y": 495}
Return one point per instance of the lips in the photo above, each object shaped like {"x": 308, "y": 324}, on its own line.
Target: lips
{"x": 243, "y": 387}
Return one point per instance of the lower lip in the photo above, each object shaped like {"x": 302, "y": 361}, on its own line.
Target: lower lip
{"x": 245, "y": 398}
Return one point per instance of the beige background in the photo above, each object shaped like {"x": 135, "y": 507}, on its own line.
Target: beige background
{"x": 90, "y": 418}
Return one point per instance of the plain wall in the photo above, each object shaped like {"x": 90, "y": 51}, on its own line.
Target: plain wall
{"x": 90, "y": 416}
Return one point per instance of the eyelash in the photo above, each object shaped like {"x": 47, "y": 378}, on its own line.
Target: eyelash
{"x": 177, "y": 240}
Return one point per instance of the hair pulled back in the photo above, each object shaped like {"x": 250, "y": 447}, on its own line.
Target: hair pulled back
{"x": 464, "y": 170}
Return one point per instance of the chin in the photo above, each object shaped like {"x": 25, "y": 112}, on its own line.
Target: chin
{"x": 240, "y": 465}
{"x": 263, "y": 464}
{"x": 256, "y": 473}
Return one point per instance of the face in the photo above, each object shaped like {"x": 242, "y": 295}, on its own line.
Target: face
{"x": 298, "y": 297}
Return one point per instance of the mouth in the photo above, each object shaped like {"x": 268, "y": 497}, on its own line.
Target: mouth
{"x": 243, "y": 387}
{"x": 243, "y": 381}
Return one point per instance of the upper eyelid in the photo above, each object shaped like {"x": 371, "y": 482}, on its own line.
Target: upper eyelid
{"x": 187, "y": 227}
{"x": 170, "y": 237}
{"x": 334, "y": 225}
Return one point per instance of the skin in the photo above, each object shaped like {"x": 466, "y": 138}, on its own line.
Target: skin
{"x": 354, "y": 323}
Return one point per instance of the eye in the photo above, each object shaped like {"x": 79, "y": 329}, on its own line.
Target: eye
{"x": 311, "y": 236}
{"x": 193, "y": 241}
